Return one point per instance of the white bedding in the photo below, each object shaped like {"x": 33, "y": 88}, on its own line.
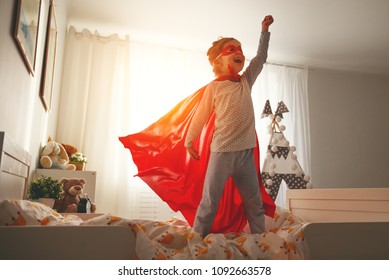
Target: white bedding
{"x": 175, "y": 239}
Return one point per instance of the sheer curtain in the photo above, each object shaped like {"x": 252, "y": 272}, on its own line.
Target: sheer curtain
{"x": 112, "y": 87}
{"x": 93, "y": 109}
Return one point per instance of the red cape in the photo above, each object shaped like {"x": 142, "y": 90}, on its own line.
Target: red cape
{"x": 164, "y": 164}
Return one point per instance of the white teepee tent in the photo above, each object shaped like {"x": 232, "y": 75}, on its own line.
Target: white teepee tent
{"x": 281, "y": 161}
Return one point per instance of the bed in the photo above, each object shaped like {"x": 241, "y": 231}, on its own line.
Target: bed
{"x": 30, "y": 230}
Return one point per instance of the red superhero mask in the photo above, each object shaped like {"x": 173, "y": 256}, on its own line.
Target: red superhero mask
{"x": 230, "y": 49}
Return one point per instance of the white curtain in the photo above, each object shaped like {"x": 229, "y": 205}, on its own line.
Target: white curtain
{"x": 93, "y": 108}
{"x": 113, "y": 87}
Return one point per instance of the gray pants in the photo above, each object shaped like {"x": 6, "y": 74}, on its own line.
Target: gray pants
{"x": 241, "y": 167}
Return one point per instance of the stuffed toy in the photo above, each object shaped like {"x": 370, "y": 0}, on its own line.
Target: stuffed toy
{"x": 70, "y": 150}
{"x": 72, "y": 196}
{"x": 54, "y": 156}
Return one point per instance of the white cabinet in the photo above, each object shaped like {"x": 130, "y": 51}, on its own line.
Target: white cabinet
{"x": 58, "y": 174}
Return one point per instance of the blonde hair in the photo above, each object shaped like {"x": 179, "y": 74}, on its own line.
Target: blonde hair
{"x": 215, "y": 51}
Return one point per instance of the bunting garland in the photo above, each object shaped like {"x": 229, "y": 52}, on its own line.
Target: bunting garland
{"x": 281, "y": 151}
{"x": 266, "y": 110}
{"x": 281, "y": 108}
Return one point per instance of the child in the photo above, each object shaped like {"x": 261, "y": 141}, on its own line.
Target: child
{"x": 164, "y": 163}
{"x": 234, "y": 137}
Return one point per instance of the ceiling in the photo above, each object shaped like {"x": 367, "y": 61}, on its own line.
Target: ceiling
{"x": 344, "y": 35}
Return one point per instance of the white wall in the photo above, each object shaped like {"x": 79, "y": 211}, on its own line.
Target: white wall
{"x": 349, "y": 129}
{"x": 22, "y": 115}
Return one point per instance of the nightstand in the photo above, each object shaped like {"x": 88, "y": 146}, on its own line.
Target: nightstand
{"x": 58, "y": 174}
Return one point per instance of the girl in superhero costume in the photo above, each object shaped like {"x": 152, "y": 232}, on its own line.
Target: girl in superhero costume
{"x": 202, "y": 157}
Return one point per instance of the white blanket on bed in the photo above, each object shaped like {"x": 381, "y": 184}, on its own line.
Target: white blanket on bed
{"x": 175, "y": 239}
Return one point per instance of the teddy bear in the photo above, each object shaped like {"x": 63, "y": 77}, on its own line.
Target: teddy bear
{"x": 73, "y": 189}
{"x": 54, "y": 155}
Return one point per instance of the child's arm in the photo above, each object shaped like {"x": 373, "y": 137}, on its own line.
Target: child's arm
{"x": 267, "y": 21}
{"x": 199, "y": 119}
{"x": 256, "y": 64}
{"x": 193, "y": 153}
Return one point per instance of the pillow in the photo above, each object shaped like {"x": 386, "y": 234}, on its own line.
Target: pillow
{"x": 25, "y": 212}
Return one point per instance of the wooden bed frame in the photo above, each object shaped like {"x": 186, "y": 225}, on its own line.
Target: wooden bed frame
{"x": 341, "y": 220}
{"x": 327, "y": 236}
{"x": 340, "y": 205}
{"x": 66, "y": 243}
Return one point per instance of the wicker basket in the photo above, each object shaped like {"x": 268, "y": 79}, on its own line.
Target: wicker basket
{"x": 79, "y": 165}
